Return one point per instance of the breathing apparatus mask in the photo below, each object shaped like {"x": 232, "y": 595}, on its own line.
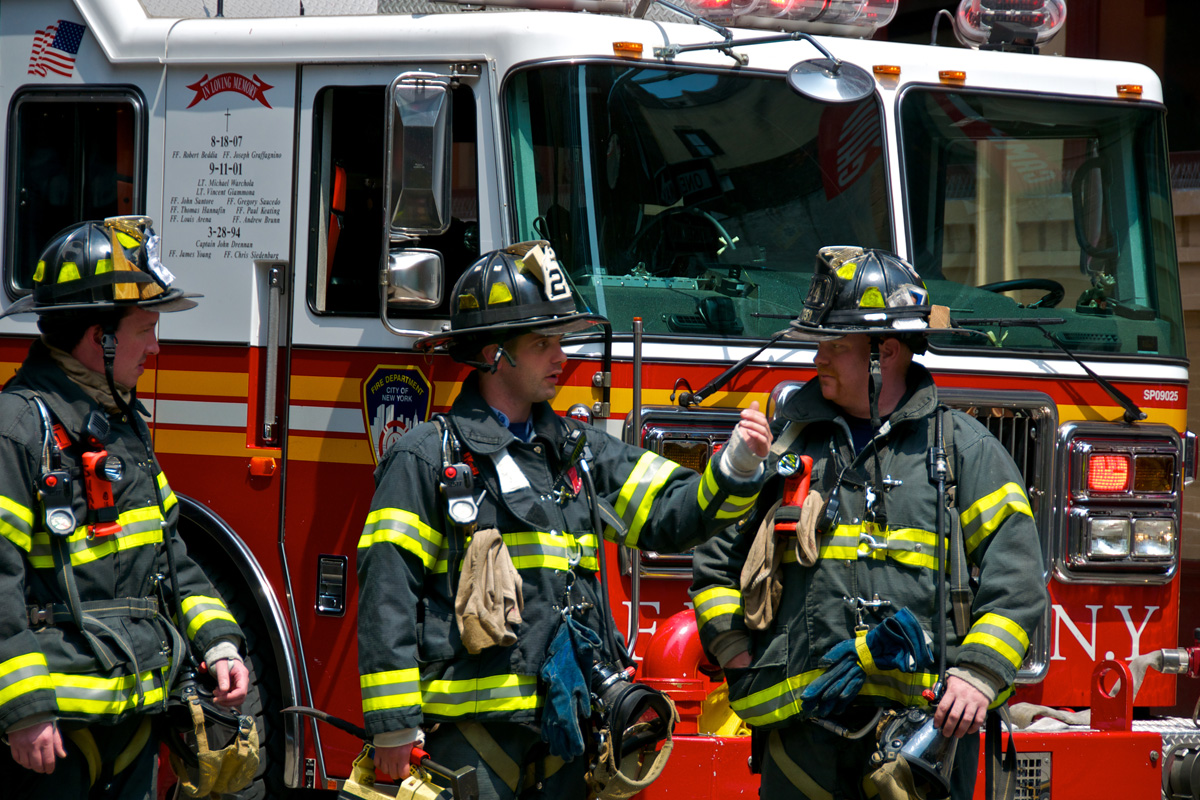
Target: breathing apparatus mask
{"x": 914, "y": 759}
{"x": 212, "y": 750}
{"x": 635, "y": 718}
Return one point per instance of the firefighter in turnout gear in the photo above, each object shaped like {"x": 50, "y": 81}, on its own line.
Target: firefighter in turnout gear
{"x": 827, "y": 626}
{"x": 87, "y": 532}
{"x": 482, "y": 616}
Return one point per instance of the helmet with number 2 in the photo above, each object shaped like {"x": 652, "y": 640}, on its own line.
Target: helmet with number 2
{"x": 506, "y": 293}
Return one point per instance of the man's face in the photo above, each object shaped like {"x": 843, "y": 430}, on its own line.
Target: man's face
{"x": 137, "y": 340}
{"x": 842, "y": 369}
{"x": 539, "y": 360}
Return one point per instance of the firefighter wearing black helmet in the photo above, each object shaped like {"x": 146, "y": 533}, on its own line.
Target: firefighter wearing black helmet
{"x": 824, "y": 627}
{"x": 467, "y": 595}
{"x": 87, "y": 652}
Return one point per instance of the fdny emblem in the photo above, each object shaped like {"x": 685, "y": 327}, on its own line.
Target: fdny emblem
{"x": 395, "y": 400}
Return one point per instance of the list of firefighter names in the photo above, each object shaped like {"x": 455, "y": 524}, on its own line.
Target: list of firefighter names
{"x": 228, "y": 169}
{"x": 226, "y": 200}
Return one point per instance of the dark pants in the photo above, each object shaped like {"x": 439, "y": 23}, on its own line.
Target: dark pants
{"x": 71, "y": 779}
{"x": 840, "y": 766}
{"x": 523, "y": 749}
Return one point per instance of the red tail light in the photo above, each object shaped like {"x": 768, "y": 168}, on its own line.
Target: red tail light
{"x": 1108, "y": 472}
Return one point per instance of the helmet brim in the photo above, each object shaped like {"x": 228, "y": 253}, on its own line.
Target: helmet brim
{"x": 170, "y": 300}
{"x": 557, "y": 326}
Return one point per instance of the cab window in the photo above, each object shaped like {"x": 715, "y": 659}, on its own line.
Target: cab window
{"x": 346, "y": 242}
{"x": 72, "y": 156}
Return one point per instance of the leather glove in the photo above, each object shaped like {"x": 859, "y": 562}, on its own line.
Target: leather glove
{"x": 897, "y": 643}
{"x": 566, "y": 671}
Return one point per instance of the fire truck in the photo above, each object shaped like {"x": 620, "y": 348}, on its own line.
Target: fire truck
{"x": 323, "y": 171}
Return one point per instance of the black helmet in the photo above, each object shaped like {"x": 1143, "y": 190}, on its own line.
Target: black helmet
{"x": 505, "y": 293}
{"x": 862, "y": 291}
{"x": 94, "y": 266}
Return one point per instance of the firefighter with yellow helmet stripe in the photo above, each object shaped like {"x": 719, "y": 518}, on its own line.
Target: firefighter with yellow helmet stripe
{"x": 848, "y": 630}
{"x": 482, "y": 612}
{"x": 87, "y": 648}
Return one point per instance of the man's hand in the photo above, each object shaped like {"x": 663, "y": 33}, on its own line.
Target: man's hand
{"x": 233, "y": 681}
{"x": 394, "y": 761}
{"x": 37, "y": 747}
{"x": 756, "y": 431}
{"x": 961, "y": 710}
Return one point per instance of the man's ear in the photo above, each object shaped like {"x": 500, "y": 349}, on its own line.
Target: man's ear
{"x": 488, "y": 353}
{"x": 889, "y": 349}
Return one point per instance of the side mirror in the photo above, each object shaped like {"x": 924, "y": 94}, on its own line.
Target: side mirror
{"x": 828, "y": 80}
{"x": 414, "y": 278}
{"x": 417, "y": 183}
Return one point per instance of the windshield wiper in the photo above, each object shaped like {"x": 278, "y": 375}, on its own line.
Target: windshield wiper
{"x": 1132, "y": 412}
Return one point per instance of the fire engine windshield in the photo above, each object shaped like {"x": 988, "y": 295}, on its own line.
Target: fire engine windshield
{"x": 1045, "y": 209}
{"x": 696, "y": 200}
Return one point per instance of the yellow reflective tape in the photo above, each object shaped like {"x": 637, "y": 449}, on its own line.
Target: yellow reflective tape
{"x": 104, "y": 265}
{"x": 409, "y": 540}
{"x": 206, "y": 617}
{"x": 718, "y": 610}
{"x": 39, "y": 274}
{"x": 632, "y": 483}
{"x": 31, "y": 684}
{"x": 872, "y": 298}
{"x": 69, "y": 271}
{"x": 864, "y": 653}
{"x": 715, "y": 592}
{"x": 661, "y": 475}
{"x": 391, "y": 701}
{"x": 1007, "y": 625}
{"x": 125, "y": 239}
{"x": 1003, "y": 511}
{"x": 994, "y": 643}
{"x": 389, "y": 676}
{"x": 170, "y": 499}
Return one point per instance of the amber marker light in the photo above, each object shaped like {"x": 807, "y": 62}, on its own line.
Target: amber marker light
{"x": 952, "y": 75}
{"x": 886, "y": 70}
{"x": 1131, "y": 91}
{"x": 628, "y": 49}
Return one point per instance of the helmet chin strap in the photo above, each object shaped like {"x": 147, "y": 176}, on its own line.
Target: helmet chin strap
{"x": 108, "y": 341}
{"x": 494, "y": 364}
{"x": 874, "y": 390}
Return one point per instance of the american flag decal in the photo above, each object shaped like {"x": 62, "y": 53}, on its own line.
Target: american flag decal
{"x": 54, "y": 49}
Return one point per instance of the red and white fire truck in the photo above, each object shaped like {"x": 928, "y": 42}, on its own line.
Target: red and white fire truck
{"x": 322, "y": 171}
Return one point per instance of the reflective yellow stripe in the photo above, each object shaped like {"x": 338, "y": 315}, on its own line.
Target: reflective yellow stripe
{"x": 16, "y": 523}
{"x": 164, "y": 491}
{"x": 460, "y": 698}
{"x": 139, "y": 527}
{"x": 716, "y": 602}
{"x": 405, "y": 530}
{"x": 645, "y": 481}
{"x": 395, "y": 688}
{"x": 988, "y": 513}
{"x": 23, "y": 674}
{"x": 104, "y": 265}
{"x": 732, "y": 507}
{"x": 1001, "y": 635}
{"x": 39, "y": 274}
{"x": 199, "y": 610}
{"x": 864, "y": 653}
{"x": 909, "y": 546}
{"x": 89, "y": 694}
{"x": 782, "y": 701}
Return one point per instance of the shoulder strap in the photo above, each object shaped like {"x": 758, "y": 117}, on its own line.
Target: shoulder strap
{"x": 960, "y": 585}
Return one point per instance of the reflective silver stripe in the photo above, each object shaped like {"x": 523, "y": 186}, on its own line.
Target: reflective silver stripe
{"x": 480, "y": 695}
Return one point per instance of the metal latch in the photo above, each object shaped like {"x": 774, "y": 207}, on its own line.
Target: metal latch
{"x": 331, "y": 585}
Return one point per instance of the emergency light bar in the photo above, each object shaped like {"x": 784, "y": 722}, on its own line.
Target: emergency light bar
{"x": 865, "y": 16}
{"x": 977, "y": 20}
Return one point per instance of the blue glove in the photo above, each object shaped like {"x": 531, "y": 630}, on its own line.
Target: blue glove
{"x": 897, "y": 643}
{"x": 568, "y": 705}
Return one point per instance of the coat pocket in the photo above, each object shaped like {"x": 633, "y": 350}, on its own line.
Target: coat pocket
{"x": 768, "y": 666}
{"x": 438, "y": 638}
